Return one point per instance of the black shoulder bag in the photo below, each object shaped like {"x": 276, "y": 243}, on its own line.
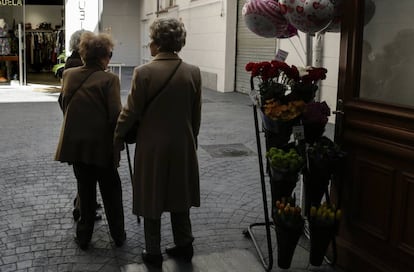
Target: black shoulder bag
{"x": 131, "y": 135}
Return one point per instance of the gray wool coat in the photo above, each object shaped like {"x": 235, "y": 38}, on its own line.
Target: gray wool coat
{"x": 166, "y": 173}
{"x": 90, "y": 116}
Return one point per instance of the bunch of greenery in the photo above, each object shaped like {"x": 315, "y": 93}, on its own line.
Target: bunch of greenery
{"x": 58, "y": 68}
{"x": 289, "y": 161}
{"x": 325, "y": 149}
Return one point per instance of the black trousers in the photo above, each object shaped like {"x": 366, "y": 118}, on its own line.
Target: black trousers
{"x": 111, "y": 191}
{"x": 181, "y": 229}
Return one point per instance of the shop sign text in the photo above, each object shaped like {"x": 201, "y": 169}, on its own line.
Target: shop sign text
{"x": 82, "y": 7}
{"x": 11, "y": 2}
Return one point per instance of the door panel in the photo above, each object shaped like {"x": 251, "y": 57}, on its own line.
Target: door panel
{"x": 377, "y": 131}
{"x": 406, "y": 240}
{"x": 372, "y": 216}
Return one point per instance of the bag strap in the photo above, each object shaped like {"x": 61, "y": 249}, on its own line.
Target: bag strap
{"x": 163, "y": 86}
{"x": 69, "y": 98}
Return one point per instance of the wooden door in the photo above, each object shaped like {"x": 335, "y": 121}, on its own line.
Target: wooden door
{"x": 376, "y": 88}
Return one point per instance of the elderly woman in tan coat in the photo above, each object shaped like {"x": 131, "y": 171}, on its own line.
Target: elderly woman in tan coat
{"x": 165, "y": 101}
{"x": 91, "y": 104}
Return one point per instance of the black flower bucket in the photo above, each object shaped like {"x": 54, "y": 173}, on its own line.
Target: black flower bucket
{"x": 283, "y": 183}
{"x": 276, "y": 140}
{"x": 302, "y": 91}
{"x": 313, "y": 132}
{"x": 320, "y": 238}
{"x": 287, "y": 239}
{"x": 280, "y": 128}
{"x": 315, "y": 186}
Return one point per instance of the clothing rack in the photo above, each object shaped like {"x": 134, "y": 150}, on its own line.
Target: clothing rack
{"x": 42, "y": 48}
{"x": 40, "y": 30}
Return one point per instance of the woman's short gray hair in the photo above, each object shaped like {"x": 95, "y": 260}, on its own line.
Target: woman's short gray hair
{"x": 75, "y": 40}
{"x": 94, "y": 47}
{"x": 169, "y": 34}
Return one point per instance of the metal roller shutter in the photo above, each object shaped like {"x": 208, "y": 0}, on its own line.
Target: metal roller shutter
{"x": 250, "y": 47}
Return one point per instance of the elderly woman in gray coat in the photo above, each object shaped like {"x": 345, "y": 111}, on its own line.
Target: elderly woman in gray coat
{"x": 165, "y": 101}
{"x": 91, "y": 104}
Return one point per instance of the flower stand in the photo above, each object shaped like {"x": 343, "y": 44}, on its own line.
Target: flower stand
{"x": 284, "y": 100}
{"x": 267, "y": 264}
{"x": 320, "y": 237}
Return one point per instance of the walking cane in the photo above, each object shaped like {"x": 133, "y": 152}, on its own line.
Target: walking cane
{"x": 130, "y": 173}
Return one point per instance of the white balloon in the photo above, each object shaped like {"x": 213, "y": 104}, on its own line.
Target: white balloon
{"x": 309, "y": 16}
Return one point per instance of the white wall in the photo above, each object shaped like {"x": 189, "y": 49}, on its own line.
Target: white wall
{"x": 330, "y": 60}
{"x": 81, "y": 14}
{"x": 121, "y": 20}
{"x": 36, "y": 14}
{"x": 210, "y": 43}
{"x": 206, "y": 38}
{"x": 118, "y": 18}
{"x": 211, "y": 27}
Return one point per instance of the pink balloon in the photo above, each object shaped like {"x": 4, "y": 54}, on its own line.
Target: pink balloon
{"x": 263, "y": 18}
{"x": 309, "y": 16}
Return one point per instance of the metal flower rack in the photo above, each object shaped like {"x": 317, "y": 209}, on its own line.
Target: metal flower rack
{"x": 278, "y": 140}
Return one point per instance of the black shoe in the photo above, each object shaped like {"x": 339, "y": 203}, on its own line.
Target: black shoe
{"x": 152, "y": 259}
{"x": 184, "y": 253}
{"x": 82, "y": 245}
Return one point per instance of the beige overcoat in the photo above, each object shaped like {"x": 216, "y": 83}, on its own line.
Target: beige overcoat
{"x": 89, "y": 117}
{"x": 166, "y": 173}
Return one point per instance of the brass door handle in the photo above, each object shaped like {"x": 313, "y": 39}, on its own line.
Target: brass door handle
{"x": 338, "y": 112}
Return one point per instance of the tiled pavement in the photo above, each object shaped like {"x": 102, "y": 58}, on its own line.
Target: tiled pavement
{"x": 36, "y": 193}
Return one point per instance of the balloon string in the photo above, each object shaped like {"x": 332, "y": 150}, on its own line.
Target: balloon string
{"x": 301, "y": 45}
{"x": 297, "y": 51}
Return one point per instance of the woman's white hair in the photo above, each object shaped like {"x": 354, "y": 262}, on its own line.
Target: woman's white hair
{"x": 168, "y": 33}
{"x": 75, "y": 40}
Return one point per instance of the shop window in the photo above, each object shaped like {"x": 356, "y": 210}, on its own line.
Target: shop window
{"x": 387, "y": 61}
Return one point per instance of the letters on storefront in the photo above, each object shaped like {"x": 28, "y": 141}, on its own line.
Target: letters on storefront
{"x": 11, "y": 3}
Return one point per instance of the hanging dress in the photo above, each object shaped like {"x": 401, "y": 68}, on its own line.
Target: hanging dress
{"x": 4, "y": 41}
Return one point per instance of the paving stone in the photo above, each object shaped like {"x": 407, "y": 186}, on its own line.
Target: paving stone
{"x": 8, "y": 267}
{"x": 36, "y": 197}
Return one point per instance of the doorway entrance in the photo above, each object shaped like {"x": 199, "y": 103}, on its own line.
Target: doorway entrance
{"x": 377, "y": 130}
{"x": 44, "y": 40}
